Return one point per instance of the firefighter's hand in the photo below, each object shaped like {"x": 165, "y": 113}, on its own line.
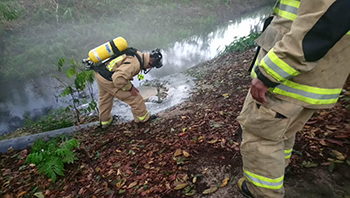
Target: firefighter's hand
{"x": 134, "y": 91}
{"x": 258, "y": 90}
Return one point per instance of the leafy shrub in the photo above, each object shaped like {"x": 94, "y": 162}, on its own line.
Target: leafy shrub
{"x": 243, "y": 43}
{"x": 83, "y": 80}
{"x": 51, "y": 156}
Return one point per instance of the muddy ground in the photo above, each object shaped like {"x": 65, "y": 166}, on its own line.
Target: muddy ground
{"x": 189, "y": 149}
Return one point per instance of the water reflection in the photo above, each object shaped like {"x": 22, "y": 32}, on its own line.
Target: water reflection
{"x": 36, "y": 97}
{"x": 185, "y": 54}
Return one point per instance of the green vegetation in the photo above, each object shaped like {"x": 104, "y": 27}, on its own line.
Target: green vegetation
{"x": 238, "y": 45}
{"x": 56, "y": 119}
{"x": 51, "y": 156}
{"x": 82, "y": 79}
{"x": 242, "y": 44}
{"x": 46, "y": 31}
{"x": 53, "y": 121}
{"x": 79, "y": 80}
{"x": 8, "y": 11}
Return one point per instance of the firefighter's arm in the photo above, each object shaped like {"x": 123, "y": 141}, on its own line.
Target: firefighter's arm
{"x": 121, "y": 78}
{"x": 124, "y": 74}
{"x": 318, "y": 26}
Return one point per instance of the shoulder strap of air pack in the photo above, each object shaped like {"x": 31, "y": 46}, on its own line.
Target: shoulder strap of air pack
{"x": 130, "y": 51}
{"x": 114, "y": 47}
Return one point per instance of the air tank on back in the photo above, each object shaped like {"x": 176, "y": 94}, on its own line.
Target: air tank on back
{"x": 107, "y": 49}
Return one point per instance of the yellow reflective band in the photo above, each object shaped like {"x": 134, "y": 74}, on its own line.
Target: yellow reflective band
{"x": 264, "y": 182}
{"x": 293, "y": 3}
{"x": 288, "y": 153}
{"x": 348, "y": 33}
{"x": 143, "y": 117}
{"x": 252, "y": 73}
{"x": 285, "y": 14}
{"x": 308, "y": 94}
{"x": 287, "y": 9}
{"x": 113, "y": 62}
{"x": 127, "y": 87}
{"x": 108, "y": 122}
{"x": 277, "y": 68}
{"x": 256, "y": 62}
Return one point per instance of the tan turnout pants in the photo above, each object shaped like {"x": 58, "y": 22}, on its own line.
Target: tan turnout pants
{"x": 268, "y": 134}
{"x": 107, "y": 92}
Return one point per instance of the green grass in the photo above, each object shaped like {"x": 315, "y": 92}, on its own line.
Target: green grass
{"x": 56, "y": 119}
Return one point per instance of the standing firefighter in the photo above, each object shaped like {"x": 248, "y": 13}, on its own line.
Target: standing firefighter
{"x": 301, "y": 67}
{"x": 114, "y": 76}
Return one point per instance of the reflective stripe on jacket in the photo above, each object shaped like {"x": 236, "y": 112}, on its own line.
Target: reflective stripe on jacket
{"x": 308, "y": 42}
{"x": 125, "y": 68}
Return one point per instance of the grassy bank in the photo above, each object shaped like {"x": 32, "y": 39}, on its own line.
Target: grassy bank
{"x": 46, "y": 31}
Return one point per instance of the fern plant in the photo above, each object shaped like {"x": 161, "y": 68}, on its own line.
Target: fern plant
{"x": 51, "y": 156}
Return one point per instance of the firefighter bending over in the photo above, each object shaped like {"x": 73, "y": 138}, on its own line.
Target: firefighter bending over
{"x": 114, "y": 80}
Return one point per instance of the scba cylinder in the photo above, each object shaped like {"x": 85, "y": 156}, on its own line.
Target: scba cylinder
{"x": 108, "y": 49}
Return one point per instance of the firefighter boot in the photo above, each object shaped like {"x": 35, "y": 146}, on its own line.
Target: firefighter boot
{"x": 113, "y": 121}
{"x": 151, "y": 117}
{"x": 242, "y": 185}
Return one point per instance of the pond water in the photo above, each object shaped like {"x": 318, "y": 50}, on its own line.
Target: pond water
{"x": 35, "y": 97}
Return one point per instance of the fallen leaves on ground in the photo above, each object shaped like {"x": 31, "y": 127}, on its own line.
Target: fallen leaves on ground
{"x": 172, "y": 156}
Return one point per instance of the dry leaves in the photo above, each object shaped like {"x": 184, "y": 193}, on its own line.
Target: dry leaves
{"x": 185, "y": 153}
{"x": 338, "y": 155}
{"x": 210, "y": 190}
{"x": 178, "y": 152}
{"x": 224, "y": 182}
{"x": 181, "y": 186}
{"x": 133, "y": 184}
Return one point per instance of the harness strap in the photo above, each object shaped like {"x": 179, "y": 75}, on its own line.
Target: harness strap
{"x": 105, "y": 73}
{"x": 114, "y": 48}
{"x": 130, "y": 51}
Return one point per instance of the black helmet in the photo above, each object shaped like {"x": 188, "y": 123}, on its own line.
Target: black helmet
{"x": 158, "y": 58}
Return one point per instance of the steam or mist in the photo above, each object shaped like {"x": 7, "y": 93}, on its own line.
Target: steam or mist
{"x": 36, "y": 96}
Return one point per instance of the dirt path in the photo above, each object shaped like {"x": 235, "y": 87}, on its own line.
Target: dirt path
{"x": 192, "y": 147}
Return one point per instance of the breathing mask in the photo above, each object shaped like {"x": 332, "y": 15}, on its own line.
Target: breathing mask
{"x": 157, "y": 55}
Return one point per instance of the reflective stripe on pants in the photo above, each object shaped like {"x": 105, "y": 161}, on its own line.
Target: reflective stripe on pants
{"x": 265, "y": 141}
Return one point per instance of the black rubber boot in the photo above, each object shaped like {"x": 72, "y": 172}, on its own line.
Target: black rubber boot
{"x": 242, "y": 185}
